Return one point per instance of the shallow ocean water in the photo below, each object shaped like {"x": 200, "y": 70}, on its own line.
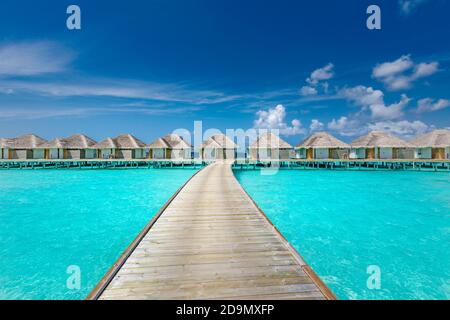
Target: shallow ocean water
{"x": 357, "y": 227}
{"x": 53, "y": 219}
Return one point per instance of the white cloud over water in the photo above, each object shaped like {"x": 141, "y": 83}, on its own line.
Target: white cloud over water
{"x": 33, "y": 58}
{"x": 430, "y": 105}
{"x": 401, "y": 73}
{"x": 275, "y": 119}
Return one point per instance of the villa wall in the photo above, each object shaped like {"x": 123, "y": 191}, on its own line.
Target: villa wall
{"x": 181, "y": 154}
{"x": 447, "y": 153}
{"x": 218, "y": 154}
{"x": 74, "y": 154}
{"x": 4, "y": 153}
{"x": 106, "y": 153}
{"x": 422, "y": 153}
{"x": 21, "y": 154}
{"x": 438, "y": 153}
{"x": 385, "y": 153}
{"x": 357, "y": 153}
{"x": 300, "y": 153}
{"x": 138, "y": 154}
{"x": 90, "y": 154}
{"x": 38, "y": 154}
{"x": 273, "y": 154}
{"x": 130, "y": 154}
{"x": 230, "y": 153}
{"x": 55, "y": 154}
{"x": 158, "y": 153}
{"x": 321, "y": 153}
{"x": 210, "y": 153}
{"x": 253, "y": 154}
{"x": 338, "y": 153}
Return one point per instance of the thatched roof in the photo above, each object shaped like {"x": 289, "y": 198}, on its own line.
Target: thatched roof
{"x": 434, "y": 139}
{"x": 28, "y": 141}
{"x": 159, "y": 144}
{"x": 210, "y": 143}
{"x": 270, "y": 141}
{"x": 322, "y": 140}
{"x": 77, "y": 141}
{"x": 58, "y": 143}
{"x": 125, "y": 141}
{"x": 380, "y": 139}
{"x": 170, "y": 141}
{"x": 219, "y": 141}
{"x": 6, "y": 142}
{"x": 128, "y": 141}
{"x": 108, "y": 143}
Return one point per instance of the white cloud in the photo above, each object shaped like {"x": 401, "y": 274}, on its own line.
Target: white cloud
{"x": 119, "y": 88}
{"x": 430, "y": 105}
{"x": 321, "y": 74}
{"x": 373, "y": 100}
{"x": 33, "y": 58}
{"x": 316, "y": 125}
{"x": 346, "y": 126}
{"x": 393, "y": 111}
{"x": 408, "y": 6}
{"x": 363, "y": 96}
{"x": 401, "y": 73}
{"x": 388, "y": 69}
{"x": 274, "y": 119}
{"x": 308, "y": 91}
{"x": 318, "y": 77}
{"x": 404, "y": 128}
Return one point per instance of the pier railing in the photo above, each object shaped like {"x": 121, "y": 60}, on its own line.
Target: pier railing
{"x": 243, "y": 164}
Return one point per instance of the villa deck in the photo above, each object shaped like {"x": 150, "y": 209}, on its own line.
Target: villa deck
{"x": 210, "y": 241}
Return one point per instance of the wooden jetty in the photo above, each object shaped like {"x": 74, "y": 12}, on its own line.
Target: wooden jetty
{"x": 210, "y": 241}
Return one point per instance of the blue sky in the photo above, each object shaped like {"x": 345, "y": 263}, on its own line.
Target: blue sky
{"x": 149, "y": 67}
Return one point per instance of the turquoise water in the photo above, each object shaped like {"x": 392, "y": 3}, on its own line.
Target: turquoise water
{"x": 342, "y": 222}
{"x": 53, "y": 219}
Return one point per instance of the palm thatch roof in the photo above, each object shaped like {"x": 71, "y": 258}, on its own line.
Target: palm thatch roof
{"x": 159, "y": 143}
{"x": 78, "y": 141}
{"x": 170, "y": 141}
{"x": 322, "y": 140}
{"x": 6, "y": 142}
{"x": 434, "y": 139}
{"x": 128, "y": 141}
{"x": 219, "y": 141}
{"x": 108, "y": 143}
{"x": 58, "y": 143}
{"x": 27, "y": 141}
{"x": 270, "y": 141}
{"x": 380, "y": 139}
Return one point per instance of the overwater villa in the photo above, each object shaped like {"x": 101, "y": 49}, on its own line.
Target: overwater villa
{"x": 77, "y": 146}
{"x": 269, "y": 146}
{"x": 125, "y": 146}
{"x": 433, "y": 145}
{"x": 106, "y": 149}
{"x": 218, "y": 147}
{"x": 26, "y": 147}
{"x": 322, "y": 145}
{"x": 381, "y": 145}
{"x": 5, "y": 146}
{"x": 172, "y": 146}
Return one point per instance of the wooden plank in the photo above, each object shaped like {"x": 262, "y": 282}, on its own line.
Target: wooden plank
{"x": 211, "y": 241}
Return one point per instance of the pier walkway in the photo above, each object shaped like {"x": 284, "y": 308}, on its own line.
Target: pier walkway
{"x": 210, "y": 241}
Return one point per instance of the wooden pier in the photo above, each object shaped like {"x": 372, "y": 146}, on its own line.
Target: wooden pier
{"x": 210, "y": 241}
